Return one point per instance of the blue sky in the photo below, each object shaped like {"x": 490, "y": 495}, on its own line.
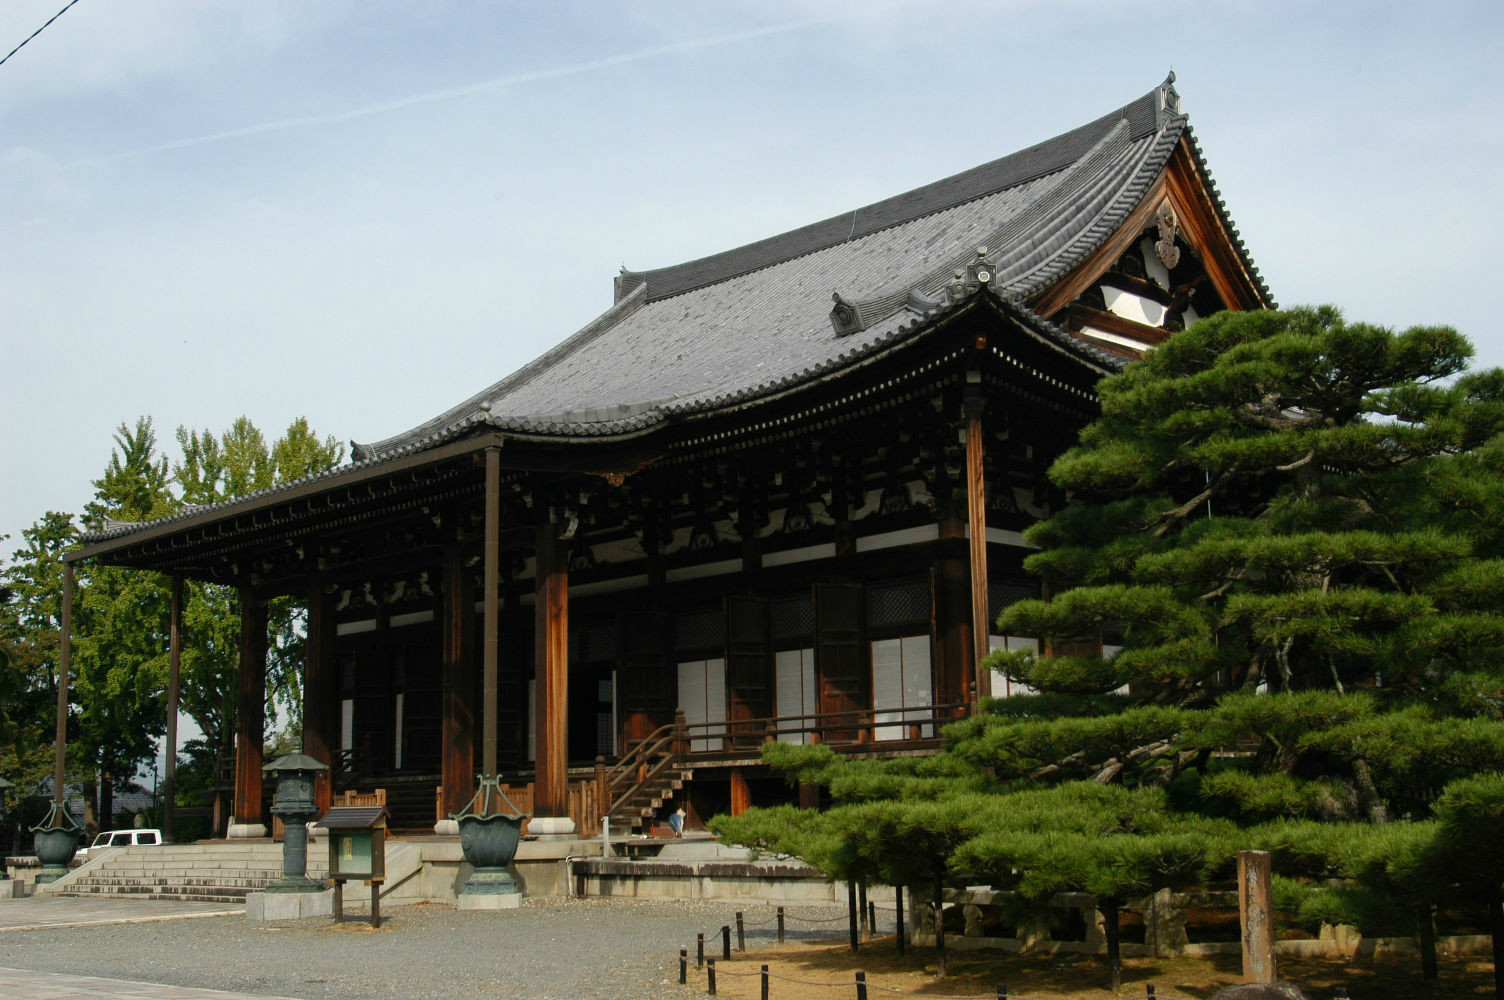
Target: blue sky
{"x": 362, "y": 212}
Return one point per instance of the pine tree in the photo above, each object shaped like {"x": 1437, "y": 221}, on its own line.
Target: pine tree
{"x": 1293, "y": 529}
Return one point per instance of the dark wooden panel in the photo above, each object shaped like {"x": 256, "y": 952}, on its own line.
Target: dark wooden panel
{"x": 840, "y": 657}
{"x": 749, "y": 667}
{"x": 645, "y": 678}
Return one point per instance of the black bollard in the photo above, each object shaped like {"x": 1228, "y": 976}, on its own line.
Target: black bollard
{"x": 683, "y": 966}
{"x": 726, "y": 941}
{"x": 861, "y": 986}
{"x": 741, "y": 932}
{"x": 1002, "y": 991}
{"x": 1150, "y": 988}
{"x": 699, "y": 949}
{"x": 710, "y": 977}
{"x": 780, "y": 925}
{"x": 871, "y": 919}
{"x": 764, "y": 982}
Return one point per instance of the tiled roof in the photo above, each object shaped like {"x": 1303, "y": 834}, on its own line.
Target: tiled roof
{"x": 757, "y": 319}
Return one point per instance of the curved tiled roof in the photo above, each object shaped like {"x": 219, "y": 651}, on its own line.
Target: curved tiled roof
{"x": 756, "y": 319}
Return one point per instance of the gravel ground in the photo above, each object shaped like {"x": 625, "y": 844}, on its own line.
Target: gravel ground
{"x": 589, "y": 949}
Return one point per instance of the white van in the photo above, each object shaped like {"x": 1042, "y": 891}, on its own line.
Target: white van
{"x": 123, "y": 838}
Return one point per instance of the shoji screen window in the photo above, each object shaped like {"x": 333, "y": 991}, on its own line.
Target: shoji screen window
{"x": 903, "y": 687}
{"x": 796, "y": 701}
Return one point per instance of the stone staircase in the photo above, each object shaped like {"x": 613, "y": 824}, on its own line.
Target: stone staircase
{"x": 219, "y": 873}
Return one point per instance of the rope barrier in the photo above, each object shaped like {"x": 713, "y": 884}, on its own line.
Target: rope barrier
{"x": 861, "y": 984}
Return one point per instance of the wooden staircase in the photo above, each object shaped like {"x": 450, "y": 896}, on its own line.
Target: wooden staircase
{"x": 650, "y": 775}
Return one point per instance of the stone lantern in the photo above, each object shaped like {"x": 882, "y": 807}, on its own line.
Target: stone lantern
{"x": 294, "y": 805}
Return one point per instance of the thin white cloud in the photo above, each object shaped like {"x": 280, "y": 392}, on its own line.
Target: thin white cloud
{"x": 453, "y": 93}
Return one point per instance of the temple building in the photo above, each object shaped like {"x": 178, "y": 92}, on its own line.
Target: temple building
{"x": 776, "y": 493}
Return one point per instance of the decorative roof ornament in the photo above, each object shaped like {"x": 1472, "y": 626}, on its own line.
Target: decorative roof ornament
{"x": 846, "y": 317}
{"x": 1169, "y": 225}
{"x": 1169, "y": 100}
{"x": 977, "y": 274}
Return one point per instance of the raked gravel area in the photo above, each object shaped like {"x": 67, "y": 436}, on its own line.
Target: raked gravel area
{"x": 555, "y": 949}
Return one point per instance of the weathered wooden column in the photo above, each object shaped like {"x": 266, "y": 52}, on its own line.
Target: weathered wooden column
{"x": 250, "y": 721}
{"x": 551, "y": 627}
{"x": 953, "y": 607}
{"x": 458, "y": 763}
{"x": 976, "y": 522}
{"x": 741, "y": 792}
{"x": 1256, "y": 914}
{"x": 320, "y": 691}
{"x": 490, "y": 613}
{"x": 174, "y": 671}
{"x": 64, "y": 664}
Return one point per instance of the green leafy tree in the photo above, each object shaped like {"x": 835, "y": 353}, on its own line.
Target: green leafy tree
{"x": 30, "y": 641}
{"x": 214, "y": 468}
{"x": 120, "y": 629}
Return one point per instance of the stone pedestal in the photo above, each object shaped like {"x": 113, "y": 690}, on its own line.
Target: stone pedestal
{"x": 264, "y": 906}
{"x": 550, "y": 826}
{"x": 9, "y": 888}
{"x": 247, "y": 831}
{"x": 446, "y": 828}
{"x": 490, "y": 901}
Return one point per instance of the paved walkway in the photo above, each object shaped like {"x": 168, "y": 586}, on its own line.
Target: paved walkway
{"x": 38, "y": 912}
{"x": 17, "y": 984}
{"x": 34, "y": 913}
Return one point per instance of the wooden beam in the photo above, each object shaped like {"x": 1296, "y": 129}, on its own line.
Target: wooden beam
{"x": 490, "y": 614}
{"x": 457, "y": 765}
{"x": 59, "y": 794}
{"x": 250, "y": 721}
{"x": 174, "y": 669}
{"x": 980, "y": 682}
{"x": 321, "y": 689}
{"x": 551, "y": 627}
{"x": 354, "y": 476}
{"x": 1113, "y": 323}
{"x": 1202, "y": 225}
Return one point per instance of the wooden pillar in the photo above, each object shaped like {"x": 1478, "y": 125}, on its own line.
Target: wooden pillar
{"x": 976, "y": 522}
{"x": 551, "y": 627}
{"x": 65, "y": 656}
{"x": 458, "y": 763}
{"x": 174, "y": 671}
{"x": 741, "y": 794}
{"x": 1256, "y": 915}
{"x": 953, "y": 610}
{"x": 490, "y": 612}
{"x": 321, "y": 690}
{"x": 251, "y": 712}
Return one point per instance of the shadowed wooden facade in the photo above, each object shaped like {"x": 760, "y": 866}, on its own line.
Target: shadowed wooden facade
{"x": 726, "y": 498}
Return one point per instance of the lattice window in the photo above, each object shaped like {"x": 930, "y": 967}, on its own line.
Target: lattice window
{"x": 793, "y": 617}
{"x": 1001, "y": 594}
{"x": 903, "y": 602}
{"x": 700, "y": 630}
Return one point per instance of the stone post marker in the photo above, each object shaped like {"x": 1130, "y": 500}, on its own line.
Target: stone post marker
{"x": 1256, "y": 916}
